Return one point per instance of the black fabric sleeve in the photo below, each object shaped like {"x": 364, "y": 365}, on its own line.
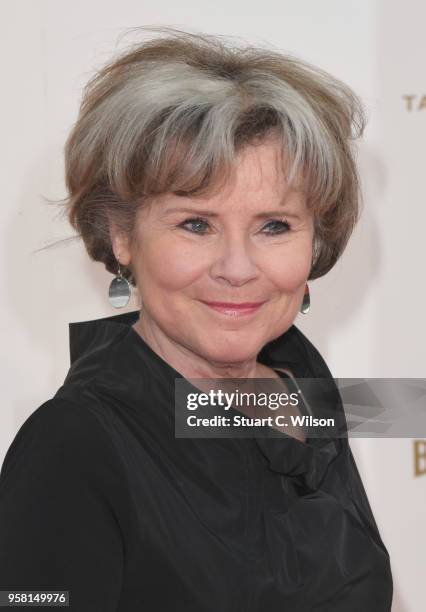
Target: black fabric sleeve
{"x": 58, "y": 529}
{"x": 360, "y": 499}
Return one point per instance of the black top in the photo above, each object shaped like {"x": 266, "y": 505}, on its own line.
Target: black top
{"x": 98, "y": 497}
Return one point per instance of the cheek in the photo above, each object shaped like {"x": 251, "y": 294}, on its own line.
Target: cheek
{"x": 169, "y": 264}
{"x": 289, "y": 269}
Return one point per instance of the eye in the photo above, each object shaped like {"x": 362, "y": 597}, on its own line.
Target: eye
{"x": 281, "y": 226}
{"x": 195, "y": 222}
{"x": 198, "y": 224}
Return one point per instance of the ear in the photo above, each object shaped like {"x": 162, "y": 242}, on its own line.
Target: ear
{"x": 120, "y": 244}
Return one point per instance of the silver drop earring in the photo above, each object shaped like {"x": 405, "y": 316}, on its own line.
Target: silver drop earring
{"x": 119, "y": 290}
{"x": 306, "y": 302}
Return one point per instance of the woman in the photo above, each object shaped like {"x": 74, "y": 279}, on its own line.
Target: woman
{"x": 218, "y": 181}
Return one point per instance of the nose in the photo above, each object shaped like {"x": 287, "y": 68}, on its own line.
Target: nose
{"x": 234, "y": 261}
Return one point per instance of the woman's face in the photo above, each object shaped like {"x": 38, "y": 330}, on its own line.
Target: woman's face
{"x": 250, "y": 243}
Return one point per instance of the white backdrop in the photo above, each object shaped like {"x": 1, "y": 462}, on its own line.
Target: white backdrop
{"x": 366, "y": 315}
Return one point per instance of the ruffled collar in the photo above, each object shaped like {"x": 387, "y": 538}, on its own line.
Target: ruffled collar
{"x": 305, "y": 462}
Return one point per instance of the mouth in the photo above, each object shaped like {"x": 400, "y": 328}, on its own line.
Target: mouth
{"x": 231, "y": 309}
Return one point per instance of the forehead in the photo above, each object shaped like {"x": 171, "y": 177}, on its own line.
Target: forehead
{"x": 259, "y": 172}
{"x": 256, "y": 184}
{"x": 257, "y": 180}
{"x": 293, "y": 204}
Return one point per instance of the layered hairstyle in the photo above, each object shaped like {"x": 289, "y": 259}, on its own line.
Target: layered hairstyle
{"x": 171, "y": 114}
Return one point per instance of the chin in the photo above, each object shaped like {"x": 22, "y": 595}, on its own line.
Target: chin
{"x": 232, "y": 353}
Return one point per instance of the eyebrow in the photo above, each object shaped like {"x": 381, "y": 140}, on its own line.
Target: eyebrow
{"x": 211, "y": 213}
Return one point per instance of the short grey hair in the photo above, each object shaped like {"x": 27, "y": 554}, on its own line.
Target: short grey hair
{"x": 172, "y": 113}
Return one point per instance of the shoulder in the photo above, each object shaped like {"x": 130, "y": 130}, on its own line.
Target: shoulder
{"x": 59, "y": 436}
{"x": 60, "y": 418}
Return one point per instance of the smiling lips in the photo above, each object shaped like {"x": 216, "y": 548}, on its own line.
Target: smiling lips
{"x": 234, "y": 309}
